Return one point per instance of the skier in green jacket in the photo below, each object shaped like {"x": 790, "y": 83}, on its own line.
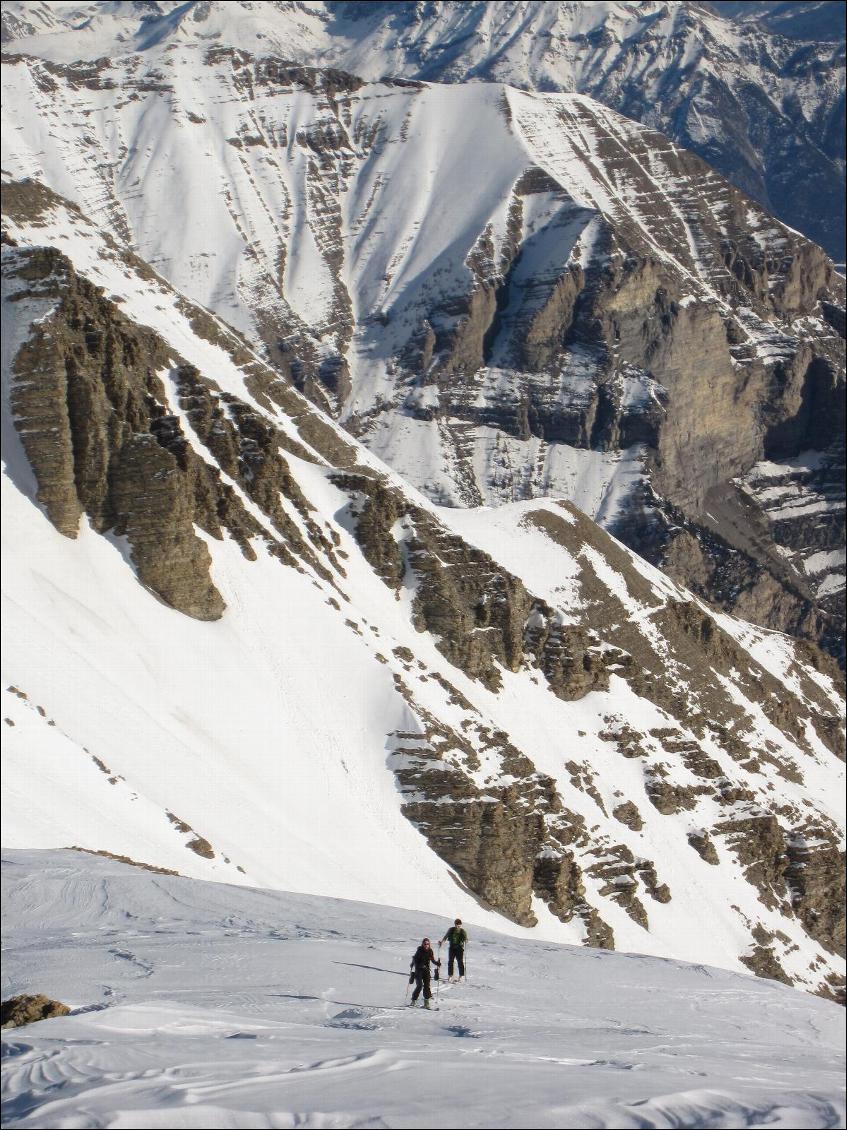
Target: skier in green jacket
{"x": 457, "y": 938}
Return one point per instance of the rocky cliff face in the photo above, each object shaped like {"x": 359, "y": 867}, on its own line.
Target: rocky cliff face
{"x": 484, "y": 621}
{"x": 90, "y": 410}
{"x": 576, "y": 308}
{"x": 620, "y": 350}
{"x": 89, "y": 397}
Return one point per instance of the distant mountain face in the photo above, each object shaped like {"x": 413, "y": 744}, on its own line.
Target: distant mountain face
{"x": 760, "y": 97}
{"x": 821, "y": 20}
{"x": 503, "y": 294}
{"x": 246, "y": 650}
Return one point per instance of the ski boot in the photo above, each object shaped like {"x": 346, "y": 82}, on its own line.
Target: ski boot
{"x": 427, "y": 1004}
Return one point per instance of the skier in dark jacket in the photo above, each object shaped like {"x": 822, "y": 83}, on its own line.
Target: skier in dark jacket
{"x": 457, "y": 938}
{"x": 420, "y": 971}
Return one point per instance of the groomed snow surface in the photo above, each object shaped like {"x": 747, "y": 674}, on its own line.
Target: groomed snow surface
{"x": 199, "y": 1004}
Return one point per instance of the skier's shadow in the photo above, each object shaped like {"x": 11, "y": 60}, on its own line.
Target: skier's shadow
{"x": 375, "y": 968}
{"x": 341, "y": 1004}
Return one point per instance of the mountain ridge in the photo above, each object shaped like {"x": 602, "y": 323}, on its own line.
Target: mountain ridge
{"x": 508, "y": 699}
{"x": 597, "y": 316}
{"x": 766, "y": 111}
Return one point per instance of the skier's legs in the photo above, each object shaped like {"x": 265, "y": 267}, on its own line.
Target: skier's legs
{"x": 420, "y": 984}
{"x": 456, "y": 956}
{"x": 427, "y": 991}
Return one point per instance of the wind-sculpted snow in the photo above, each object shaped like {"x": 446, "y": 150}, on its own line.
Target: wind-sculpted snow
{"x": 202, "y": 1005}
{"x": 386, "y": 700}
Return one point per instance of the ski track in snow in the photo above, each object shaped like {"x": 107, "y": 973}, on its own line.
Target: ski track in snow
{"x": 204, "y": 1005}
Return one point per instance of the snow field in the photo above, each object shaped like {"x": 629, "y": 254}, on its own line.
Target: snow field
{"x": 205, "y": 1005}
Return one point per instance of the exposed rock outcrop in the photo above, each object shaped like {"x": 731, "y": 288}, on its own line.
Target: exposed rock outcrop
{"x": 508, "y": 839}
{"x": 99, "y": 429}
{"x": 91, "y": 412}
{"x": 815, "y": 875}
{"x": 481, "y": 615}
{"x": 613, "y": 295}
{"x": 29, "y": 1008}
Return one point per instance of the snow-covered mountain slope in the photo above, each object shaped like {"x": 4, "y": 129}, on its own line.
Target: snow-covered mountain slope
{"x": 815, "y": 20}
{"x": 202, "y": 1005}
{"x": 323, "y": 683}
{"x": 765, "y": 111}
{"x": 505, "y": 295}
